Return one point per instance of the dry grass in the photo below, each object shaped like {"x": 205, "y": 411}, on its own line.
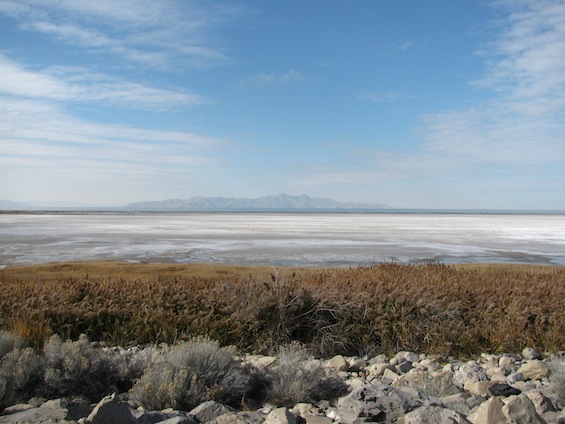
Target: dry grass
{"x": 453, "y": 310}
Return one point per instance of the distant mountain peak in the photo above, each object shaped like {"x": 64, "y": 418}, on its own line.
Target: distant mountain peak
{"x": 279, "y": 202}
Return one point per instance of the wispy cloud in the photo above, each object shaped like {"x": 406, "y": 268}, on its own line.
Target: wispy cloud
{"x": 512, "y": 140}
{"x": 40, "y": 139}
{"x": 381, "y": 97}
{"x": 272, "y": 78}
{"x": 161, "y": 35}
{"x": 523, "y": 123}
{"x": 78, "y": 84}
{"x": 406, "y": 45}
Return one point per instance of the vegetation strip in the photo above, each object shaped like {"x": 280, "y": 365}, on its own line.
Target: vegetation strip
{"x": 432, "y": 308}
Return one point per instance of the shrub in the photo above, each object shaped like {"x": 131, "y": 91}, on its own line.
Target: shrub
{"x": 8, "y": 342}
{"x": 297, "y": 377}
{"x": 77, "y": 368}
{"x": 20, "y": 371}
{"x": 191, "y": 373}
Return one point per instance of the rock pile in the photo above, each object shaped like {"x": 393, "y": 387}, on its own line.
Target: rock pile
{"x": 407, "y": 388}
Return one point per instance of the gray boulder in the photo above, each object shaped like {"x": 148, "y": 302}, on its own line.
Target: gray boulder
{"x": 207, "y": 411}
{"x": 456, "y": 403}
{"x": 434, "y": 414}
{"x": 52, "y": 411}
{"x": 470, "y": 372}
{"x": 378, "y": 402}
{"x": 520, "y": 409}
{"x": 111, "y": 410}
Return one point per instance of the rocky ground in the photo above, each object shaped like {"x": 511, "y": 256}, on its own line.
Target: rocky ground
{"x": 407, "y": 388}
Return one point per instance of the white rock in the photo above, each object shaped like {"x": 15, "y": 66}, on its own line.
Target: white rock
{"x": 470, "y": 372}
{"x": 434, "y": 414}
{"x": 337, "y": 363}
{"x": 530, "y": 353}
{"x": 506, "y": 360}
{"x": 378, "y": 368}
{"x": 391, "y": 375}
{"x": 457, "y": 403}
{"x": 281, "y": 416}
{"x": 356, "y": 363}
{"x": 305, "y": 409}
{"x": 489, "y": 412}
{"x": 534, "y": 370}
{"x": 541, "y": 403}
{"x": 480, "y": 388}
{"x": 316, "y": 419}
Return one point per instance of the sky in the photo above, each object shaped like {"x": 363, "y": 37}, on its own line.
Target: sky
{"x": 414, "y": 104}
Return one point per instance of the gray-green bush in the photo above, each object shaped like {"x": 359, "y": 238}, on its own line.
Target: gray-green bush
{"x": 77, "y": 368}
{"x": 297, "y": 377}
{"x": 20, "y": 372}
{"x": 191, "y": 373}
{"x": 8, "y": 342}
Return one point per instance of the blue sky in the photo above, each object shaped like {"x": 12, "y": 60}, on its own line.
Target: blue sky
{"x": 425, "y": 104}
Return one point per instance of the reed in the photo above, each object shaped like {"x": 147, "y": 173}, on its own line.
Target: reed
{"x": 431, "y": 308}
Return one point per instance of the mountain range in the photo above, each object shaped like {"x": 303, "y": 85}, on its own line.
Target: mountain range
{"x": 280, "y": 202}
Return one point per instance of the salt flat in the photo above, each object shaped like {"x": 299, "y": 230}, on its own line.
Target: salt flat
{"x": 305, "y": 239}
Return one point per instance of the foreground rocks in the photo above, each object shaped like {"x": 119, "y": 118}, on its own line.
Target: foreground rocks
{"x": 407, "y": 388}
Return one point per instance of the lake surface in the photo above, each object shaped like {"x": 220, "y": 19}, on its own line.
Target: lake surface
{"x": 289, "y": 239}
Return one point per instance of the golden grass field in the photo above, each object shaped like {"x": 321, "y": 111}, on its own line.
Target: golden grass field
{"x": 458, "y": 310}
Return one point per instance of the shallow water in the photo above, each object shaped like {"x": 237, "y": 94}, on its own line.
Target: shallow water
{"x": 291, "y": 239}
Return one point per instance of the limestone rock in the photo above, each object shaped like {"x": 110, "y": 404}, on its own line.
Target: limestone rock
{"x": 169, "y": 417}
{"x": 209, "y": 410}
{"x": 506, "y": 360}
{"x": 180, "y": 420}
{"x": 248, "y": 417}
{"x": 520, "y": 409}
{"x": 541, "y": 403}
{"x": 404, "y": 356}
{"x": 50, "y": 412}
{"x": 480, "y": 388}
{"x": 530, "y": 353}
{"x": 316, "y": 419}
{"x": 337, "y": 363}
{"x": 470, "y": 372}
{"x": 534, "y": 370}
{"x": 434, "y": 414}
{"x": 457, "y": 403}
{"x": 378, "y": 402}
{"x": 489, "y": 412}
{"x": 389, "y": 374}
{"x": 377, "y": 368}
{"x": 281, "y": 416}
{"x": 305, "y": 409}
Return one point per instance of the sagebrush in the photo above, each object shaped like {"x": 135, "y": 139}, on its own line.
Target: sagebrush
{"x": 191, "y": 373}
{"x": 298, "y": 377}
